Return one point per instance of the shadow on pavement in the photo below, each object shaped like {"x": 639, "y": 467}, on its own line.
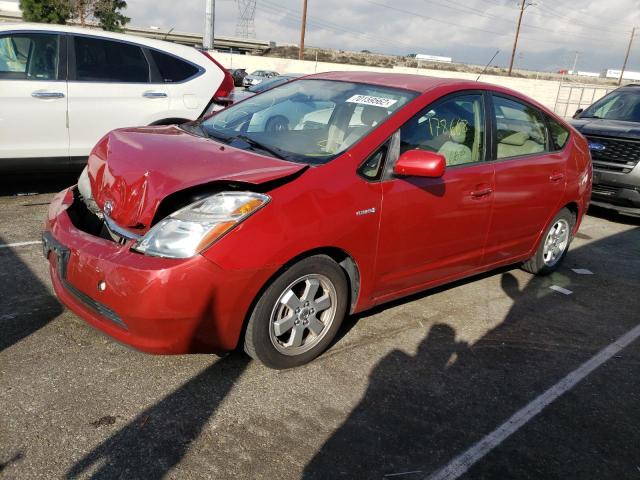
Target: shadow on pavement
{"x": 420, "y": 411}
{"x": 29, "y": 184}
{"x": 613, "y": 216}
{"x": 157, "y": 439}
{"x": 25, "y": 302}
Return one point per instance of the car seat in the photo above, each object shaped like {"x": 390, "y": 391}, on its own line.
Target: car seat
{"x": 517, "y": 144}
{"x": 454, "y": 150}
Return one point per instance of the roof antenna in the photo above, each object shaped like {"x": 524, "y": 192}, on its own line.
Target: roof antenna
{"x": 487, "y": 65}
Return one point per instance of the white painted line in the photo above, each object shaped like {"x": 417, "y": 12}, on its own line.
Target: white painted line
{"x": 19, "y": 244}
{"x": 582, "y": 271}
{"x": 560, "y": 289}
{"x": 463, "y": 462}
{"x": 403, "y": 473}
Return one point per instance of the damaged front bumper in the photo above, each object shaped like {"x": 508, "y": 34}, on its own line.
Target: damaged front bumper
{"x": 157, "y": 305}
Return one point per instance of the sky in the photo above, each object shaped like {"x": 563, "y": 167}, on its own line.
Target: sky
{"x": 469, "y": 31}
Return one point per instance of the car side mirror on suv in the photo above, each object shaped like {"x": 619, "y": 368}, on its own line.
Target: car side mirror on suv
{"x": 578, "y": 112}
{"x": 420, "y": 163}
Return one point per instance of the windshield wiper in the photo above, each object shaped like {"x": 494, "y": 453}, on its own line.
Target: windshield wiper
{"x": 276, "y": 152}
{"x": 194, "y": 128}
{"x": 589, "y": 116}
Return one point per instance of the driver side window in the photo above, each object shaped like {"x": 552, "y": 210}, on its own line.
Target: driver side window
{"x": 453, "y": 127}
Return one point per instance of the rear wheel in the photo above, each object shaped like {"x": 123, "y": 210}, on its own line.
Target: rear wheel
{"x": 554, "y": 245}
{"x": 299, "y": 314}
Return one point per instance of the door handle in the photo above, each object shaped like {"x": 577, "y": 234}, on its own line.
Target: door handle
{"x": 482, "y": 192}
{"x": 556, "y": 177}
{"x": 154, "y": 95}
{"x": 42, "y": 94}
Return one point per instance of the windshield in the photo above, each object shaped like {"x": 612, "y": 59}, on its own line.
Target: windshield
{"x": 618, "y": 105}
{"x": 309, "y": 121}
{"x": 267, "y": 84}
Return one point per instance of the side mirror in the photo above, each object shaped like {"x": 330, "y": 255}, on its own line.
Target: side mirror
{"x": 578, "y": 112}
{"x": 420, "y": 163}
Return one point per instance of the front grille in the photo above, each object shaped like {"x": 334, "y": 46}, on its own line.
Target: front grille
{"x": 618, "y": 155}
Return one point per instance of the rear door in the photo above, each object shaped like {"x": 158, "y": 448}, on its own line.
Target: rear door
{"x": 33, "y": 98}
{"x": 434, "y": 229}
{"x": 109, "y": 87}
{"x": 529, "y": 179}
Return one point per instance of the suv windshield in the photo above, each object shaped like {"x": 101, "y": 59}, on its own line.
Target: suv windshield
{"x": 309, "y": 121}
{"x": 618, "y": 105}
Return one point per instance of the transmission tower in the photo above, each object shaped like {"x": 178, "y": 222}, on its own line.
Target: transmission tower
{"x": 245, "y": 26}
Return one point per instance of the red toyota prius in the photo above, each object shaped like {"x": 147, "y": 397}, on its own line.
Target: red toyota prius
{"x": 266, "y": 223}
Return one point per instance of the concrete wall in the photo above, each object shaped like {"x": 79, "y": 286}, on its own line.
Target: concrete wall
{"x": 544, "y": 91}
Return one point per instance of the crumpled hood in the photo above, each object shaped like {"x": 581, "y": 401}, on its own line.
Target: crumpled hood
{"x": 607, "y": 128}
{"x": 134, "y": 169}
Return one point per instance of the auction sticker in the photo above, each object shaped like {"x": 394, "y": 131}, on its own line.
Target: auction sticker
{"x": 371, "y": 100}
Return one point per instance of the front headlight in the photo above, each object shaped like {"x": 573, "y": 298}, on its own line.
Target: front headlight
{"x": 193, "y": 228}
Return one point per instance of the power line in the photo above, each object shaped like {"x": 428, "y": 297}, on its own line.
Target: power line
{"x": 481, "y": 13}
{"x": 321, "y": 24}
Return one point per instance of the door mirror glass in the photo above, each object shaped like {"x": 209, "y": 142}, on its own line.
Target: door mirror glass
{"x": 578, "y": 112}
{"x": 420, "y": 163}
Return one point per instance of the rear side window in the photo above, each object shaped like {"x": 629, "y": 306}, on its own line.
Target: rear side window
{"x": 520, "y": 128}
{"x": 29, "y": 56}
{"x": 559, "y": 134}
{"x": 99, "y": 60}
{"x": 172, "y": 69}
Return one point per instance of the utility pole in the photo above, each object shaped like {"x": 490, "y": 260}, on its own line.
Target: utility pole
{"x": 626, "y": 57}
{"x": 303, "y": 27}
{"x": 209, "y": 20}
{"x": 515, "y": 41}
{"x": 575, "y": 63}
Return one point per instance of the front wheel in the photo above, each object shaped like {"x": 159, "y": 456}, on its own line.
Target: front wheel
{"x": 554, "y": 245}
{"x": 299, "y": 314}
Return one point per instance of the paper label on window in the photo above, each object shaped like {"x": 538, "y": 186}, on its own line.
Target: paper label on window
{"x": 371, "y": 100}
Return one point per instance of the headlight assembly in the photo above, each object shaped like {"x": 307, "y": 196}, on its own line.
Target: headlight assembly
{"x": 193, "y": 228}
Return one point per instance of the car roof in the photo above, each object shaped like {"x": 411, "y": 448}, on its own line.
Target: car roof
{"x": 95, "y": 32}
{"x": 421, "y": 83}
{"x": 407, "y": 81}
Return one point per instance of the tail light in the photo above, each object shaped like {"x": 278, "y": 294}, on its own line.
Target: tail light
{"x": 227, "y": 85}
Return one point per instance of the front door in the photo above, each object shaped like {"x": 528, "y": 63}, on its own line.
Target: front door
{"x": 434, "y": 229}
{"x": 33, "y": 98}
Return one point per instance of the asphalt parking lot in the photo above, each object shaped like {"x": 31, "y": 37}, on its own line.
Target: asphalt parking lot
{"x": 404, "y": 390}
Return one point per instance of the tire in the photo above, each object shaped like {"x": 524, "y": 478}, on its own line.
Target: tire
{"x": 298, "y": 315}
{"x": 548, "y": 256}
{"x": 277, "y": 124}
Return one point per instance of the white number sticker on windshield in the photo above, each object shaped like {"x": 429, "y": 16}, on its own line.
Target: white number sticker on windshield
{"x": 370, "y": 100}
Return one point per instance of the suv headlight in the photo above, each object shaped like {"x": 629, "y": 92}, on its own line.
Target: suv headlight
{"x": 193, "y": 228}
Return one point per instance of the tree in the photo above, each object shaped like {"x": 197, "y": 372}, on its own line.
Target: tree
{"x": 46, "y": 11}
{"x": 109, "y": 16}
{"x": 107, "y": 13}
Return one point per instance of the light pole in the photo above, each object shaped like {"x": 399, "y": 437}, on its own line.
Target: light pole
{"x": 209, "y": 20}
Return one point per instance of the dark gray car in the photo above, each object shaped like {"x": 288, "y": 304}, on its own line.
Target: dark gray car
{"x": 612, "y": 126}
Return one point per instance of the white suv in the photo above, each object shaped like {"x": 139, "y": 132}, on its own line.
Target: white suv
{"x": 62, "y": 88}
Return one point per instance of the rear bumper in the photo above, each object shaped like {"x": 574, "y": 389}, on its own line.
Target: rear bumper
{"x": 156, "y": 305}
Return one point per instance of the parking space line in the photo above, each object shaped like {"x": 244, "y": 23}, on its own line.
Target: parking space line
{"x": 463, "y": 462}
{"x": 20, "y": 244}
